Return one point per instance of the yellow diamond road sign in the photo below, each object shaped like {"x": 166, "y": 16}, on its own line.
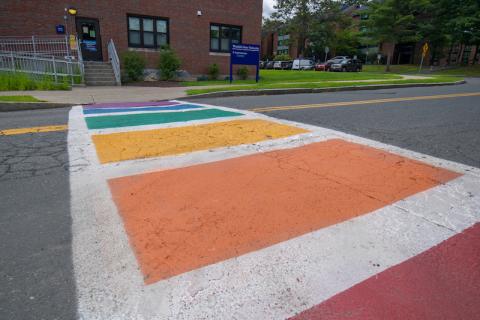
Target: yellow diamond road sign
{"x": 425, "y": 49}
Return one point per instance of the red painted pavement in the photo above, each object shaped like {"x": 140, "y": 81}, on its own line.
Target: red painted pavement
{"x": 441, "y": 283}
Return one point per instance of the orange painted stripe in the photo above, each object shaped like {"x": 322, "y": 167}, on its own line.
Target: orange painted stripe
{"x": 179, "y": 220}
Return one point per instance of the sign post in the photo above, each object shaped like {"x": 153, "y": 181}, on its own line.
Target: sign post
{"x": 424, "y": 53}
{"x": 245, "y": 54}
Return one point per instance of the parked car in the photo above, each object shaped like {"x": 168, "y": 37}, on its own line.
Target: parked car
{"x": 346, "y": 65}
{"x": 302, "y": 64}
{"x": 340, "y": 58}
{"x": 287, "y": 65}
{"x": 261, "y": 65}
{"x": 330, "y": 62}
{"x": 321, "y": 67}
{"x": 269, "y": 64}
{"x": 282, "y": 65}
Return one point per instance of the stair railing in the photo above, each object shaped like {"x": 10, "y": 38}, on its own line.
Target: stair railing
{"x": 113, "y": 57}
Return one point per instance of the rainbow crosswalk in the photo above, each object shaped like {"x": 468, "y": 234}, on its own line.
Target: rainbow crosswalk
{"x": 191, "y": 211}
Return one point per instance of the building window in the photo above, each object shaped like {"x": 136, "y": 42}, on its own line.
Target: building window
{"x": 466, "y": 54}
{"x": 222, "y": 36}
{"x": 147, "y": 32}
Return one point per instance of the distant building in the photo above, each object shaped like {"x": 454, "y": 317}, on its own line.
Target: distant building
{"x": 277, "y": 43}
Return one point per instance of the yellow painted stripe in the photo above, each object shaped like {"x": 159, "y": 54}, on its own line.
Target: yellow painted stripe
{"x": 10, "y": 132}
{"x": 360, "y": 102}
{"x": 171, "y": 141}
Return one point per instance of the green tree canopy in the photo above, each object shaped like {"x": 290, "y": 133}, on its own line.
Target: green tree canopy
{"x": 395, "y": 21}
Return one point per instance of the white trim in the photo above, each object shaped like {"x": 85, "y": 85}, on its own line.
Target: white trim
{"x": 220, "y": 54}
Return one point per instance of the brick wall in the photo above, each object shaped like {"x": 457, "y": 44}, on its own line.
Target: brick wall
{"x": 189, "y": 34}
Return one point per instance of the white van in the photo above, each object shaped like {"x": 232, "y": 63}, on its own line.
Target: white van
{"x": 302, "y": 64}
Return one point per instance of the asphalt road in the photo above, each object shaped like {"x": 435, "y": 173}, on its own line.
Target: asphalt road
{"x": 445, "y": 128}
{"x": 36, "y": 271}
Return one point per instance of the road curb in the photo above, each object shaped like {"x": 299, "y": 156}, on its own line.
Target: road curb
{"x": 24, "y": 106}
{"x": 266, "y": 92}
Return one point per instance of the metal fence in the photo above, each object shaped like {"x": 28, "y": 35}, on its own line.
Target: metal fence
{"x": 58, "y": 70}
{"x": 58, "y": 46}
{"x": 56, "y": 57}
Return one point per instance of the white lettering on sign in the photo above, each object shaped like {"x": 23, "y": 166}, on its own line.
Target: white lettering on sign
{"x": 242, "y": 47}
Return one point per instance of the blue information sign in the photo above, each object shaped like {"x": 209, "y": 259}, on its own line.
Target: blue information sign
{"x": 60, "y": 29}
{"x": 244, "y": 54}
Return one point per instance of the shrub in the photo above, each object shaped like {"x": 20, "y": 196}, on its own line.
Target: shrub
{"x": 133, "y": 65}
{"x": 282, "y": 57}
{"x": 202, "y": 78}
{"x": 213, "y": 71}
{"x": 242, "y": 73}
{"x": 168, "y": 64}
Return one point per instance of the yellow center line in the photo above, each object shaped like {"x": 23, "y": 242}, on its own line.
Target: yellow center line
{"x": 360, "y": 102}
{"x": 10, "y": 132}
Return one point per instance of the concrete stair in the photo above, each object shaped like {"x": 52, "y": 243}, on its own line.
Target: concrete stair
{"x": 98, "y": 73}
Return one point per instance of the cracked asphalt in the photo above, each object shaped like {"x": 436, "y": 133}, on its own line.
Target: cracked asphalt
{"x": 36, "y": 271}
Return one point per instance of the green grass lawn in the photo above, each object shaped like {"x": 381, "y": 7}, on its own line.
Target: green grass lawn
{"x": 289, "y": 76}
{"x": 325, "y": 84}
{"x": 464, "y": 71}
{"x": 402, "y": 69}
{"x": 21, "y": 82}
{"x": 19, "y": 99}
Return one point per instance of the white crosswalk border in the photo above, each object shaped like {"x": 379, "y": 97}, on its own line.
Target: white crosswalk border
{"x": 273, "y": 283}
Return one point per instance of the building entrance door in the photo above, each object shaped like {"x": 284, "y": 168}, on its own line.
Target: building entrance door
{"x": 88, "y": 30}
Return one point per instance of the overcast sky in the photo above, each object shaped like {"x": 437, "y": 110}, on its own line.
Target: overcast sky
{"x": 268, "y": 7}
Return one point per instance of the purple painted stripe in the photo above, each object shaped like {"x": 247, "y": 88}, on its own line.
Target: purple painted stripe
{"x": 130, "y": 104}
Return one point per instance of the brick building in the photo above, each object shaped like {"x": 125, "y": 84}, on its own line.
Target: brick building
{"x": 276, "y": 43}
{"x": 200, "y": 32}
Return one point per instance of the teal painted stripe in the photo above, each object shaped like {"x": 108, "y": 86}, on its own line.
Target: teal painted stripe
{"x": 129, "y": 120}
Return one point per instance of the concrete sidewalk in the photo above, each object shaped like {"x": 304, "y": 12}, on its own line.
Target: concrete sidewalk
{"x": 84, "y": 95}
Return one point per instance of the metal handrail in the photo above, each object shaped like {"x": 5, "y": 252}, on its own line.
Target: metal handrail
{"x": 115, "y": 61}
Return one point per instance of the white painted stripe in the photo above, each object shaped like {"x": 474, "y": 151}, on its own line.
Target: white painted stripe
{"x": 166, "y": 125}
{"x": 132, "y": 167}
{"x": 131, "y": 112}
{"x": 92, "y": 106}
{"x": 107, "y": 278}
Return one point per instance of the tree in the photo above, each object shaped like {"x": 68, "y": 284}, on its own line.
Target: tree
{"x": 298, "y": 16}
{"x": 354, "y": 2}
{"x": 447, "y": 22}
{"x": 394, "y": 21}
{"x": 464, "y": 22}
{"x": 334, "y": 29}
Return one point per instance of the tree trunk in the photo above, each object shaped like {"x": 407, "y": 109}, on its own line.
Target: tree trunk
{"x": 449, "y": 54}
{"x": 387, "y": 67}
{"x": 475, "y": 56}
